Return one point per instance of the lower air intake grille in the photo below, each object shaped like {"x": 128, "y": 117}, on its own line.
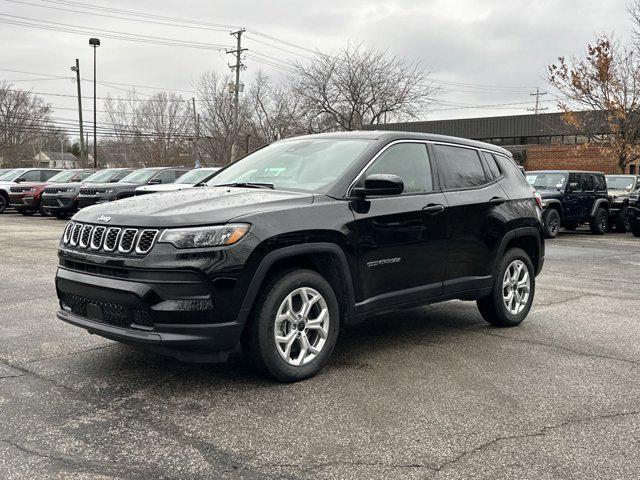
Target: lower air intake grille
{"x": 105, "y": 312}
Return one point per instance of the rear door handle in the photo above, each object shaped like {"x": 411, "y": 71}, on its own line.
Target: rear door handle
{"x": 433, "y": 209}
{"x": 497, "y": 200}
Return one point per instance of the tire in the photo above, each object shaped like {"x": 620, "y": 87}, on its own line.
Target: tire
{"x": 600, "y": 222}
{"x": 259, "y": 339}
{"x": 551, "y": 221}
{"x": 622, "y": 220}
{"x": 27, "y": 212}
{"x": 3, "y": 203}
{"x": 570, "y": 226}
{"x": 60, "y": 215}
{"x": 635, "y": 228}
{"x": 493, "y": 307}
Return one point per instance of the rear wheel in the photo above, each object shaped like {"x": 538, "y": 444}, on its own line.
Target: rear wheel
{"x": 635, "y": 228}
{"x": 551, "y": 219}
{"x": 294, "y": 327}
{"x": 622, "y": 220}
{"x": 599, "y": 222}
{"x": 27, "y": 212}
{"x": 513, "y": 291}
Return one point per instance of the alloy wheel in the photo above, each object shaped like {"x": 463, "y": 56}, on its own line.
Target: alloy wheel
{"x": 516, "y": 285}
{"x": 301, "y": 326}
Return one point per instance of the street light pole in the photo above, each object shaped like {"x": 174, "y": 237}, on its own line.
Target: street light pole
{"x": 95, "y": 43}
{"x": 83, "y": 150}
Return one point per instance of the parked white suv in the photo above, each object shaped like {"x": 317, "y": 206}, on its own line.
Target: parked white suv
{"x": 20, "y": 175}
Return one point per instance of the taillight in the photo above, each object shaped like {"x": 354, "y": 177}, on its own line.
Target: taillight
{"x": 538, "y": 198}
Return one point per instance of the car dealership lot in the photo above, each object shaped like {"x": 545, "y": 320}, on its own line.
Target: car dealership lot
{"x": 428, "y": 393}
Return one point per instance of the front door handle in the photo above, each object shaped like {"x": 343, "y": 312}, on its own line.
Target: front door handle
{"x": 433, "y": 209}
{"x": 497, "y": 200}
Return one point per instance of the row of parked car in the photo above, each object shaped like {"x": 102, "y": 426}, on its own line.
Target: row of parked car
{"x": 61, "y": 193}
{"x": 572, "y": 198}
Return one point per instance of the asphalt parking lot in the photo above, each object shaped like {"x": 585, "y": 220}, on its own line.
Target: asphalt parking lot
{"x": 429, "y": 393}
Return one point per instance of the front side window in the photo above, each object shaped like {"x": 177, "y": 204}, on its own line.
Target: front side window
{"x": 311, "y": 164}
{"x": 63, "y": 177}
{"x": 459, "y": 167}
{"x": 168, "y": 176}
{"x": 140, "y": 176}
{"x": 410, "y": 162}
{"x": 31, "y": 176}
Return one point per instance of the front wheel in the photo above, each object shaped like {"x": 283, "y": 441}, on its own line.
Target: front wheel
{"x": 622, "y": 220}
{"x": 635, "y": 228}
{"x": 513, "y": 291}
{"x": 3, "y": 203}
{"x": 294, "y": 328}
{"x": 600, "y": 222}
{"x": 551, "y": 221}
{"x": 43, "y": 211}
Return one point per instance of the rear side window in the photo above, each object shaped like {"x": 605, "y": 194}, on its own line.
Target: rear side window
{"x": 459, "y": 167}
{"x": 179, "y": 173}
{"x": 494, "y": 169}
{"x": 47, "y": 174}
{"x": 601, "y": 183}
{"x": 588, "y": 185}
{"x": 410, "y": 162}
{"x": 83, "y": 175}
{"x": 121, "y": 175}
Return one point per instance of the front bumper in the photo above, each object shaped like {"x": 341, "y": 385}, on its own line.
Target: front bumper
{"x": 171, "y": 312}
{"x": 21, "y": 201}
{"x": 61, "y": 203}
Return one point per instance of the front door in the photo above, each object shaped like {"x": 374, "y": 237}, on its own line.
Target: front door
{"x": 573, "y": 204}
{"x": 401, "y": 240}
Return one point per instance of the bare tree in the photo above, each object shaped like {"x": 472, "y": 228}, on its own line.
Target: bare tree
{"x": 150, "y": 131}
{"x": 25, "y": 125}
{"x": 217, "y": 130}
{"x": 276, "y": 112}
{"x": 360, "y": 86}
{"x": 605, "y": 86}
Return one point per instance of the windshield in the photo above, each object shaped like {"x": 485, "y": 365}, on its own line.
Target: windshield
{"x": 4, "y": 174}
{"x": 194, "y": 176}
{"x": 546, "y": 180}
{"x": 12, "y": 175}
{"x": 101, "y": 176}
{"x": 63, "y": 177}
{"x": 309, "y": 165}
{"x": 620, "y": 182}
{"x": 140, "y": 176}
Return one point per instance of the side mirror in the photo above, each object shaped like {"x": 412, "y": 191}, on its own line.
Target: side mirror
{"x": 155, "y": 181}
{"x": 20, "y": 180}
{"x": 380, "y": 184}
{"x": 572, "y": 187}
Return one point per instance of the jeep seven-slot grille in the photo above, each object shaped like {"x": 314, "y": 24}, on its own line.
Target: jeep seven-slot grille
{"x": 109, "y": 239}
{"x": 54, "y": 190}
{"x": 91, "y": 191}
{"x": 19, "y": 189}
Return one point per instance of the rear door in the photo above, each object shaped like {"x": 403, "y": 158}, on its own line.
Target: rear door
{"x": 476, "y": 225}
{"x": 401, "y": 240}
{"x": 573, "y": 203}
{"x": 589, "y": 193}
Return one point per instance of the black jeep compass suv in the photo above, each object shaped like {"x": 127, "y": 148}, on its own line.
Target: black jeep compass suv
{"x": 289, "y": 243}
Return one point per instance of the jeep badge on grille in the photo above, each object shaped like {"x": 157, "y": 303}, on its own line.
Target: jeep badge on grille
{"x": 104, "y": 219}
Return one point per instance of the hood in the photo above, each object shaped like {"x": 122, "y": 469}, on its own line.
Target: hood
{"x": 166, "y": 187}
{"x": 191, "y": 207}
{"x": 549, "y": 192}
{"x": 619, "y": 193}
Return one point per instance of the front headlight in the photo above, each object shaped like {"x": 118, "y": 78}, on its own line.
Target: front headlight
{"x": 201, "y": 237}
{"x": 110, "y": 190}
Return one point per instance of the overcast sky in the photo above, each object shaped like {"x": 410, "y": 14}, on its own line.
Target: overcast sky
{"x": 498, "y": 48}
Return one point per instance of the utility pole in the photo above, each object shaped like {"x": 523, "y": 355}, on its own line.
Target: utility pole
{"x": 236, "y": 87}
{"x": 83, "y": 151}
{"x": 537, "y": 108}
{"x": 95, "y": 43}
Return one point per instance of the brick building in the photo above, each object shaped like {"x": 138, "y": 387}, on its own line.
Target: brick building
{"x": 538, "y": 142}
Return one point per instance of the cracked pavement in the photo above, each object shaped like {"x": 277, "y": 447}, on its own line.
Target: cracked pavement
{"x": 432, "y": 393}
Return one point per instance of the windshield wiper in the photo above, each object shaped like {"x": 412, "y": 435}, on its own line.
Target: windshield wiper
{"x": 247, "y": 185}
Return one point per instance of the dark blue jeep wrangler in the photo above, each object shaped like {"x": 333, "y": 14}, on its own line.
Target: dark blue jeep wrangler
{"x": 571, "y": 198}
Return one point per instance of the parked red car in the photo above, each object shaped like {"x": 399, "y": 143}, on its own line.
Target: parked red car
{"x": 26, "y": 197}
